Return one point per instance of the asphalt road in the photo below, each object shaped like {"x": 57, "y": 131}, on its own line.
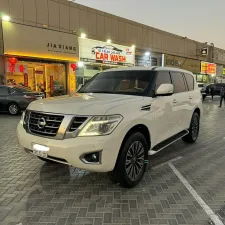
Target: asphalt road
{"x": 34, "y": 192}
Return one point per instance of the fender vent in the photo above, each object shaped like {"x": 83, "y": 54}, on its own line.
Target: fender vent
{"x": 146, "y": 108}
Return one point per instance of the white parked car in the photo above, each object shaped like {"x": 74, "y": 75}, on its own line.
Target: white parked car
{"x": 115, "y": 121}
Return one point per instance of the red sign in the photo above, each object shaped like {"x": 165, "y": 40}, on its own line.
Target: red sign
{"x": 110, "y": 57}
{"x": 21, "y": 68}
{"x": 12, "y": 60}
{"x": 38, "y": 72}
{"x": 25, "y": 80}
{"x": 51, "y": 85}
{"x": 73, "y": 66}
{"x": 208, "y": 68}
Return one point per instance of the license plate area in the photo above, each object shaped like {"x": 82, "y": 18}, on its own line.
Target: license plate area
{"x": 40, "y": 150}
{"x": 40, "y": 153}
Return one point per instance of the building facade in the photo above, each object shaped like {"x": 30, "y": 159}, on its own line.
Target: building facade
{"x": 46, "y": 33}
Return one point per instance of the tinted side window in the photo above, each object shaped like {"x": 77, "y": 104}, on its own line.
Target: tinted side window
{"x": 4, "y": 91}
{"x": 190, "y": 81}
{"x": 163, "y": 77}
{"x": 178, "y": 82}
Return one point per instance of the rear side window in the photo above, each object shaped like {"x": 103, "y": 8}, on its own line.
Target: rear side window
{"x": 4, "y": 91}
{"x": 178, "y": 82}
{"x": 163, "y": 77}
{"x": 190, "y": 82}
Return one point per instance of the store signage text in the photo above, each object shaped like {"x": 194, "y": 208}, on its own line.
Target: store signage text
{"x": 101, "y": 52}
{"x": 208, "y": 68}
{"x": 110, "y": 57}
{"x": 60, "y": 46}
{"x": 192, "y": 65}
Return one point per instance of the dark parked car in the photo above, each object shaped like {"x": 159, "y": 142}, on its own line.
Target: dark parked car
{"x": 13, "y": 99}
{"x": 216, "y": 88}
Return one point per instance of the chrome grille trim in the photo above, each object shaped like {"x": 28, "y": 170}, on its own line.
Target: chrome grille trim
{"x": 53, "y": 123}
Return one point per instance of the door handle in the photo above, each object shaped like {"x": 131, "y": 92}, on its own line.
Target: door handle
{"x": 174, "y": 101}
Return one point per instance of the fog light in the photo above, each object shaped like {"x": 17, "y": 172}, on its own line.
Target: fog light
{"x": 92, "y": 158}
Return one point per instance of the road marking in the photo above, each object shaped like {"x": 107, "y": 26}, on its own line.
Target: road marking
{"x": 200, "y": 201}
{"x": 166, "y": 163}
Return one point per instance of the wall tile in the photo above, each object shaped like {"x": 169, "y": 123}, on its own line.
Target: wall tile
{"x": 16, "y": 9}
{"x": 64, "y": 16}
{"x": 42, "y": 11}
{"x": 54, "y": 16}
{"x": 30, "y": 11}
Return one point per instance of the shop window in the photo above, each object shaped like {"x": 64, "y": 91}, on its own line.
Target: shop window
{"x": 46, "y": 77}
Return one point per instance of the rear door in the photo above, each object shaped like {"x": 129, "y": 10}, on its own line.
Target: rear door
{"x": 193, "y": 96}
{"x": 4, "y": 94}
{"x": 180, "y": 101}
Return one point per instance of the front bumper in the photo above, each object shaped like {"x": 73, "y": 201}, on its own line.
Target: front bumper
{"x": 70, "y": 151}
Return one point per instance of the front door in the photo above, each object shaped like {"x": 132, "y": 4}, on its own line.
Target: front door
{"x": 163, "y": 120}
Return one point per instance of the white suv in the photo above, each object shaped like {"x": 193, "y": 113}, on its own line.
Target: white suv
{"x": 115, "y": 121}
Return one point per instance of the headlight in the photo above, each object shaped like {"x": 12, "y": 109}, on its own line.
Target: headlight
{"x": 22, "y": 118}
{"x": 100, "y": 125}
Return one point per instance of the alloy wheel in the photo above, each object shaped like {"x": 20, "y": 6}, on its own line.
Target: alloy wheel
{"x": 195, "y": 128}
{"x": 13, "y": 109}
{"x": 134, "y": 163}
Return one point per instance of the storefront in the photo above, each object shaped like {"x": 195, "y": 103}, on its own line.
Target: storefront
{"x": 39, "y": 59}
{"x": 208, "y": 72}
{"x": 148, "y": 59}
{"x": 96, "y": 56}
{"x": 191, "y": 65}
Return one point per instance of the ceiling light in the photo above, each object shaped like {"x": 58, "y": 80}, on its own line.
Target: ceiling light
{"x": 6, "y": 18}
{"x": 133, "y": 46}
{"x": 147, "y": 53}
{"x": 109, "y": 41}
{"x": 83, "y": 35}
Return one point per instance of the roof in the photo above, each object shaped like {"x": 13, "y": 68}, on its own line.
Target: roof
{"x": 150, "y": 68}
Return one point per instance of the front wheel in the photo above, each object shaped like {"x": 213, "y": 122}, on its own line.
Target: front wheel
{"x": 130, "y": 166}
{"x": 193, "y": 129}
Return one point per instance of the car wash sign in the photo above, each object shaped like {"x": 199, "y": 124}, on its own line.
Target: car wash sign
{"x": 102, "y": 52}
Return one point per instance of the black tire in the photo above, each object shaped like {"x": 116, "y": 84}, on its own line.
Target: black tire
{"x": 130, "y": 166}
{"x": 204, "y": 97}
{"x": 193, "y": 130}
{"x": 47, "y": 160}
{"x": 13, "y": 109}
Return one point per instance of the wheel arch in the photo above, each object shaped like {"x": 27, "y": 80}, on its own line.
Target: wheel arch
{"x": 138, "y": 128}
{"x": 197, "y": 110}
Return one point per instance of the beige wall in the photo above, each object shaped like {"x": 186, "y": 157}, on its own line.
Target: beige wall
{"x": 70, "y": 17}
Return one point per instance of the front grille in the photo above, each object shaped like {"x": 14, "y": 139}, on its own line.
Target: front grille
{"x": 44, "y": 124}
{"x": 77, "y": 122}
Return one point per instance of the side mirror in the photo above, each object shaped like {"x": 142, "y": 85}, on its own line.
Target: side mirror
{"x": 164, "y": 90}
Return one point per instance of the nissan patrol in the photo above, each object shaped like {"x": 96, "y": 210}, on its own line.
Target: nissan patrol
{"x": 115, "y": 121}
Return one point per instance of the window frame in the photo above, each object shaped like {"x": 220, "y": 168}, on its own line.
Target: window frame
{"x": 185, "y": 84}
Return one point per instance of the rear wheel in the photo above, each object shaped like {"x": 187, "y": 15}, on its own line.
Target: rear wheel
{"x": 193, "y": 129}
{"x": 130, "y": 166}
{"x": 13, "y": 109}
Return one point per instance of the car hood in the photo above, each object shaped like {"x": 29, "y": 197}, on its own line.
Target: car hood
{"x": 82, "y": 104}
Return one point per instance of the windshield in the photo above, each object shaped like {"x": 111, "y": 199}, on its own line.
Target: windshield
{"x": 120, "y": 82}
{"x": 19, "y": 89}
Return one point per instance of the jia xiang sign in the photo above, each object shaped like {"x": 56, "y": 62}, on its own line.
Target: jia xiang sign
{"x": 102, "y": 52}
{"x": 191, "y": 65}
{"x": 30, "y": 41}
